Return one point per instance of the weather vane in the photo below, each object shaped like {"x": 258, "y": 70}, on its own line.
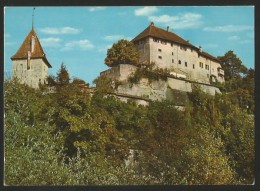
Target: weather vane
{"x": 33, "y": 17}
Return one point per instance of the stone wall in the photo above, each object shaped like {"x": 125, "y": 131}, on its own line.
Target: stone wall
{"x": 120, "y": 72}
{"x": 31, "y": 73}
{"x": 173, "y": 89}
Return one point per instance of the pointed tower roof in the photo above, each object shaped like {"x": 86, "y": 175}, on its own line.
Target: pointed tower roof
{"x": 156, "y": 32}
{"x": 26, "y": 47}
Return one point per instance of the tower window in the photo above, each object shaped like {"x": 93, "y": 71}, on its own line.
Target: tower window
{"x": 155, "y": 40}
{"x": 172, "y": 60}
{"x": 201, "y": 64}
{"x": 186, "y": 64}
{"x": 160, "y": 50}
{"x": 172, "y": 53}
{"x": 163, "y": 42}
{"x": 160, "y": 57}
{"x": 179, "y": 62}
{"x": 193, "y": 66}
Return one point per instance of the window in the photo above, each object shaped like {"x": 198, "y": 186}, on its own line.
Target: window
{"x": 159, "y": 57}
{"x": 160, "y": 50}
{"x": 163, "y": 42}
{"x": 193, "y": 66}
{"x": 172, "y": 60}
{"x": 207, "y": 67}
{"x": 172, "y": 53}
{"x": 179, "y": 62}
{"x": 155, "y": 39}
{"x": 201, "y": 64}
{"x": 183, "y": 47}
{"x": 171, "y": 44}
{"x": 186, "y": 64}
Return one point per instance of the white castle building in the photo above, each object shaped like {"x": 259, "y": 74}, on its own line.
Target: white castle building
{"x": 30, "y": 65}
{"x": 187, "y": 63}
{"x": 168, "y": 50}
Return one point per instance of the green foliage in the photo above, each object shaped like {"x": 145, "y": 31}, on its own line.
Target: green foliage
{"x": 239, "y": 82}
{"x": 150, "y": 73}
{"x": 122, "y": 52}
{"x": 68, "y": 138}
{"x": 232, "y": 65}
{"x": 103, "y": 85}
{"x": 63, "y": 77}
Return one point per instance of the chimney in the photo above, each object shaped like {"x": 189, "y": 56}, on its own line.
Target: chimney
{"x": 168, "y": 28}
{"x": 28, "y": 60}
{"x": 200, "y": 48}
{"x": 32, "y": 43}
{"x": 152, "y": 24}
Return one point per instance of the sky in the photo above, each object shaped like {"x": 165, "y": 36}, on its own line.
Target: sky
{"x": 80, "y": 36}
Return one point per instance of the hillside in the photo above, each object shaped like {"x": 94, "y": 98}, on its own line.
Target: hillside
{"x": 72, "y": 138}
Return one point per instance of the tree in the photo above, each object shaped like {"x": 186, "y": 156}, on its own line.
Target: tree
{"x": 51, "y": 80}
{"x": 232, "y": 65}
{"x": 63, "y": 77}
{"x": 122, "y": 52}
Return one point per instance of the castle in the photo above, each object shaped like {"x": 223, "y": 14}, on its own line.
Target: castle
{"x": 30, "y": 65}
{"x": 168, "y": 50}
{"x": 188, "y": 65}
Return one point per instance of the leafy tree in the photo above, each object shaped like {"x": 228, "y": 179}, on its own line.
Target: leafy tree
{"x": 236, "y": 129}
{"x": 122, "y": 52}
{"x": 103, "y": 85}
{"x": 232, "y": 65}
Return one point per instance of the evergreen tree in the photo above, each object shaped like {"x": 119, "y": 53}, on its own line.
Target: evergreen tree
{"x": 63, "y": 77}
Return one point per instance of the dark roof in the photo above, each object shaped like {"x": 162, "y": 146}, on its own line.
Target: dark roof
{"x": 205, "y": 54}
{"x": 156, "y": 32}
{"x": 38, "y": 52}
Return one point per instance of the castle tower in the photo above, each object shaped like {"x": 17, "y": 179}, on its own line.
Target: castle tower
{"x": 30, "y": 65}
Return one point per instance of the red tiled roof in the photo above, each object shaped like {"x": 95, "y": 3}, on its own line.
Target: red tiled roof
{"x": 156, "y": 32}
{"x": 38, "y": 52}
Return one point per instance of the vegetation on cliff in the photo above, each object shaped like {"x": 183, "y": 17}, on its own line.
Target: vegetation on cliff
{"x": 71, "y": 138}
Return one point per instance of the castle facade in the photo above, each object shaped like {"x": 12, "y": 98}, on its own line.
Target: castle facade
{"x": 168, "y": 50}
